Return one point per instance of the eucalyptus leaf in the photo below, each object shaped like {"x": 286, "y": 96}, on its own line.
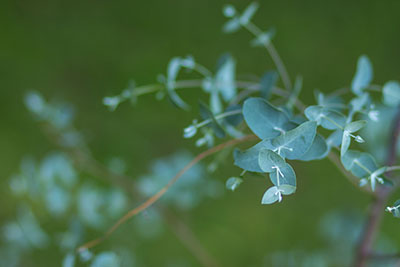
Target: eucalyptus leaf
{"x": 287, "y": 189}
{"x": 335, "y": 138}
{"x": 214, "y": 125}
{"x": 174, "y": 67}
{"x": 363, "y": 75}
{"x": 295, "y": 143}
{"x": 233, "y": 183}
{"x": 284, "y": 176}
{"x": 360, "y": 102}
{"x": 318, "y": 150}
{"x": 391, "y": 93}
{"x": 326, "y": 117}
{"x": 248, "y": 13}
{"x": 361, "y": 164}
{"x": 270, "y": 196}
{"x": 263, "y": 38}
{"x": 232, "y": 25}
{"x": 225, "y": 77}
{"x": 355, "y": 126}
{"x": 265, "y": 120}
{"x": 233, "y": 120}
{"x": 268, "y": 81}
{"x": 248, "y": 159}
{"x": 268, "y": 160}
{"x": 345, "y": 143}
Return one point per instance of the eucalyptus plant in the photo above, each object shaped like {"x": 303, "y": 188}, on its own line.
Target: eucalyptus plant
{"x": 270, "y": 110}
{"x": 340, "y": 126}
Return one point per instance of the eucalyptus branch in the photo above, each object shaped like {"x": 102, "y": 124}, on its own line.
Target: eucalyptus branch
{"x": 83, "y": 159}
{"x": 378, "y": 206}
{"x": 273, "y": 53}
{"x": 163, "y": 190}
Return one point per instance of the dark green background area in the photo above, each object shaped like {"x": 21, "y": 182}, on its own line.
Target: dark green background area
{"x": 81, "y": 51}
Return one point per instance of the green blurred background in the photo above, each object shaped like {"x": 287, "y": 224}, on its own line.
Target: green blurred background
{"x": 81, "y": 51}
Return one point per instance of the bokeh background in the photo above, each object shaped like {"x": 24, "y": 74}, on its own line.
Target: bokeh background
{"x": 81, "y": 51}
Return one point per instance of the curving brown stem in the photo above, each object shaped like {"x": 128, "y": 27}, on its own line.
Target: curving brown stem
{"x": 371, "y": 228}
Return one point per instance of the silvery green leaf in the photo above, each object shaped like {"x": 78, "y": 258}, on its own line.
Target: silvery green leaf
{"x": 294, "y": 143}
{"x": 285, "y": 175}
{"x": 106, "y": 259}
{"x": 265, "y": 120}
{"x": 355, "y": 126}
{"x": 248, "y": 159}
{"x": 36, "y": 104}
{"x": 328, "y": 118}
{"x": 359, "y": 163}
{"x": 391, "y": 93}
{"x": 333, "y": 102}
{"x": 189, "y": 131}
{"x": 345, "y": 143}
{"x": 363, "y": 76}
{"x": 207, "y": 84}
{"x": 263, "y": 38}
{"x": 225, "y": 77}
{"x": 233, "y": 182}
{"x": 268, "y": 81}
{"x": 360, "y": 102}
{"x": 172, "y": 72}
{"x": 270, "y": 196}
{"x": 318, "y": 150}
{"x": 335, "y": 139}
{"x": 248, "y": 13}
{"x": 268, "y": 159}
{"x": 232, "y": 25}
{"x": 229, "y": 11}
{"x": 214, "y": 125}
{"x": 298, "y": 85}
{"x": 174, "y": 66}
{"x": 69, "y": 260}
{"x": 287, "y": 189}
{"x": 215, "y": 101}
{"x": 233, "y": 120}
{"x": 188, "y": 62}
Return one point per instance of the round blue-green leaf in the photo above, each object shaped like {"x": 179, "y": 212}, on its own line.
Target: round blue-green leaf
{"x": 391, "y": 93}
{"x": 287, "y": 189}
{"x": 361, "y": 164}
{"x": 345, "y": 143}
{"x": 294, "y": 143}
{"x": 288, "y": 178}
{"x": 268, "y": 159}
{"x": 233, "y": 182}
{"x": 265, "y": 120}
{"x": 355, "y": 126}
{"x": 363, "y": 76}
{"x": 270, "y": 196}
{"x": 328, "y": 118}
{"x": 318, "y": 150}
{"x": 225, "y": 80}
{"x": 248, "y": 159}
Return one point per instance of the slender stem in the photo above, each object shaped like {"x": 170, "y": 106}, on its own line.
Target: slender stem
{"x": 202, "y": 70}
{"x": 83, "y": 159}
{"x": 392, "y": 168}
{"x": 274, "y": 55}
{"x": 218, "y": 117}
{"x": 150, "y": 201}
{"x": 378, "y": 205}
